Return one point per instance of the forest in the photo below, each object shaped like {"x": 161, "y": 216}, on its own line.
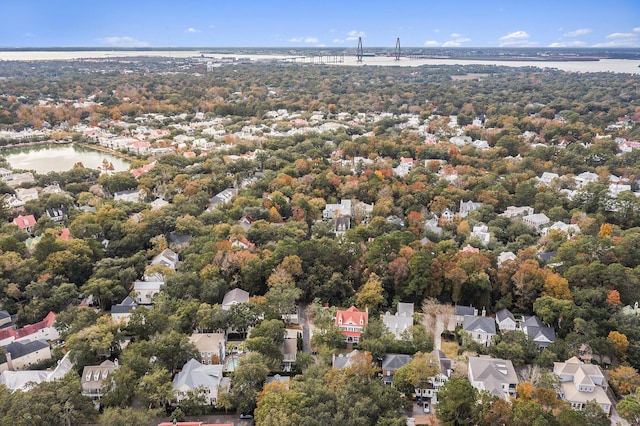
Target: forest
{"x": 534, "y": 121}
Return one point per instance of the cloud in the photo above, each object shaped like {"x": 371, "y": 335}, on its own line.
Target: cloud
{"x": 351, "y": 36}
{"x": 621, "y": 40}
{"x": 636, "y": 30}
{"x": 455, "y": 35}
{"x": 436, "y": 30}
{"x": 451, "y": 43}
{"x": 571, "y": 43}
{"x": 516, "y": 39}
{"x": 431, "y": 43}
{"x": 577, "y": 33}
{"x": 27, "y": 35}
{"x": 124, "y": 41}
{"x": 191, "y": 30}
{"x": 303, "y": 40}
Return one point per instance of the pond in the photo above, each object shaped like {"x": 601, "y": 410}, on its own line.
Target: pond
{"x": 59, "y": 158}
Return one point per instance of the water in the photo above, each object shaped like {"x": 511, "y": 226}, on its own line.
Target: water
{"x": 59, "y": 158}
{"x": 627, "y": 66}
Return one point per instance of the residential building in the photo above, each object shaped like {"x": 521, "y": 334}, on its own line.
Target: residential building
{"x": 391, "y": 363}
{"x": 401, "y": 321}
{"x": 480, "y": 329}
{"x": 432, "y": 225}
{"x": 146, "y": 290}
{"x": 341, "y": 224}
{"x": 467, "y": 207}
{"x": 536, "y": 221}
{"x": 57, "y": 214}
{"x": 289, "y": 353}
{"x": 167, "y": 258}
{"x": 446, "y": 216}
{"x": 504, "y": 256}
{"x": 547, "y": 178}
{"x": 481, "y": 232}
{"x": 513, "y": 211}
{"x": 196, "y": 375}
{"x": 42, "y": 330}
{"x": 132, "y": 195}
{"x": 26, "y": 194}
{"x": 121, "y": 312}
{"x": 26, "y": 223}
{"x": 234, "y": 297}
{"x": 583, "y": 179}
{"x": 93, "y": 379}
{"x": 222, "y": 197}
{"x": 24, "y": 380}
{"x": 505, "y": 320}
{"x": 538, "y": 331}
{"x": 581, "y": 383}
{"x": 351, "y": 322}
{"x": 20, "y": 355}
{"x": 569, "y": 229}
{"x": 462, "y": 311}
{"x": 210, "y": 346}
{"x": 436, "y": 382}
{"x": 335, "y": 210}
{"x": 341, "y": 361}
{"x": 494, "y": 375}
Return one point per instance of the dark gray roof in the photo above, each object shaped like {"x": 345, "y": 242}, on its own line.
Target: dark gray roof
{"x": 503, "y": 314}
{"x": 485, "y": 324}
{"x": 20, "y": 349}
{"x": 394, "y": 361}
{"x": 465, "y": 310}
{"x": 541, "y": 334}
{"x": 126, "y": 306}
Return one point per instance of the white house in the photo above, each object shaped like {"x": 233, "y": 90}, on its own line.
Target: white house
{"x": 167, "y": 258}
{"x": 146, "y": 291}
{"x": 401, "y": 321}
{"x": 581, "y": 383}
{"x": 480, "y": 329}
{"x": 335, "y": 210}
{"x": 536, "y": 221}
{"x": 494, "y": 375}
{"x": 121, "y": 312}
{"x": 505, "y": 320}
{"x": 585, "y": 178}
{"x": 196, "y": 375}
{"x": 436, "y": 382}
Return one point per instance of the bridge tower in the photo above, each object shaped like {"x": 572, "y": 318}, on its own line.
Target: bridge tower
{"x": 397, "y": 52}
{"x": 359, "y": 52}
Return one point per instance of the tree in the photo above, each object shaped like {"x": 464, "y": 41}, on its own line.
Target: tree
{"x": 155, "y": 388}
{"x": 114, "y": 416}
{"x": 619, "y": 342}
{"x": 371, "y": 294}
{"x": 247, "y": 382}
{"x": 417, "y": 374}
{"x": 629, "y": 408}
{"x": 457, "y": 403}
{"x": 624, "y": 379}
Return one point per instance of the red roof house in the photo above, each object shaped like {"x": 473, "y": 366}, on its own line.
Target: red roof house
{"x": 26, "y": 223}
{"x": 352, "y": 321}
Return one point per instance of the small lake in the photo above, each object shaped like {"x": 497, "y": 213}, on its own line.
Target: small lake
{"x": 59, "y": 158}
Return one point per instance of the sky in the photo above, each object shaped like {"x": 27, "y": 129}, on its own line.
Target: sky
{"x": 320, "y": 23}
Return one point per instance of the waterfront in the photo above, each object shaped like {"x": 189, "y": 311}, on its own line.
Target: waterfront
{"x": 58, "y": 158}
{"x": 629, "y": 66}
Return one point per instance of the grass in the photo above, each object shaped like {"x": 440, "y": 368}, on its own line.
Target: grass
{"x": 450, "y": 349}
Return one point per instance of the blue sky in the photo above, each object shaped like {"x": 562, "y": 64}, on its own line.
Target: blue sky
{"x": 330, "y": 23}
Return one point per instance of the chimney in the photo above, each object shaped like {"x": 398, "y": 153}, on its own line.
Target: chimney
{"x": 9, "y": 361}
{"x": 484, "y": 311}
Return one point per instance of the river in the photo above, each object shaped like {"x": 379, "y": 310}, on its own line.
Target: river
{"x": 59, "y": 158}
{"x": 627, "y": 66}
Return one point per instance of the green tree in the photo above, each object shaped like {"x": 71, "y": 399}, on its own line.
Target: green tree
{"x": 128, "y": 416}
{"x": 457, "y": 403}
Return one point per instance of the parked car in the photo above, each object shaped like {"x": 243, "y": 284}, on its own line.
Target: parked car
{"x": 246, "y": 416}
{"x": 427, "y": 409}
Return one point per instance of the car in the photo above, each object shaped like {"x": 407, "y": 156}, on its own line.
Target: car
{"x": 427, "y": 409}
{"x": 246, "y": 416}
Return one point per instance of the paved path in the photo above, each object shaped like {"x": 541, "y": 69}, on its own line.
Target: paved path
{"x": 437, "y": 333}
{"x": 304, "y": 323}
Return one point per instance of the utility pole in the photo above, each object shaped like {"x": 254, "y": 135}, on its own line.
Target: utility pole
{"x": 397, "y": 52}
{"x": 359, "y": 52}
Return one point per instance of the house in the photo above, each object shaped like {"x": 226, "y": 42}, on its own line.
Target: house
{"x": 42, "y": 330}
{"x": 351, "y": 322}
{"x": 289, "y": 353}
{"x": 538, "y": 331}
{"x": 341, "y": 225}
{"x": 167, "y": 258}
{"x": 480, "y": 329}
{"x": 447, "y": 216}
{"x": 211, "y": 347}
{"x": 93, "y": 379}
{"x": 196, "y": 375}
{"x": 26, "y": 194}
{"x": 513, "y": 211}
{"x": 132, "y": 195}
{"x": 234, "y": 297}
{"x": 436, "y": 382}
{"x": 583, "y": 179}
{"x": 467, "y": 207}
{"x": 581, "y": 383}
{"x": 5, "y": 173}
{"x": 341, "y": 361}
{"x": 536, "y": 221}
{"x": 391, "y": 363}
{"x": 26, "y": 223}
{"x": 146, "y": 290}
{"x": 504, "y": 256}
{"x": 57, "y": 214}
{"x": 505, "y": 320}
{"x": 481, "y": 232}
{"x": 462, "y": 311}
{"x": 335, "y": 210}
{"x": 431, "y": 225}
{"x": 569, "y": 229}
{"x": 24, "y": 380}
{"x": 121, "y": 312}
{"x": 20, "y": 355}
{"x": 17, "y": 179}
{"x": 158, "y": 203}
{"x": 547, "y": 178}
{"x": 222, "y": 197}
{"x": 6, "y": 319}
{"x": 401, "y": 321}
{"x": 494, "y": 375}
